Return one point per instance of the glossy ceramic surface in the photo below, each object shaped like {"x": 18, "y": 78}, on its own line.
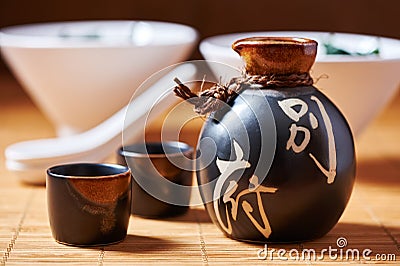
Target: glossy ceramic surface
{"x": 284, "y": 165}
{"x": 88, "y": 204}
{"x": 150, "y": 165}
{"x": 282, "y": 196}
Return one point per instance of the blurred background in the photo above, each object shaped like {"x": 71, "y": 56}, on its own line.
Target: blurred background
{"x": 212, "y": 17}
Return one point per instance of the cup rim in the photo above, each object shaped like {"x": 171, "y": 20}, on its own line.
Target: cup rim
{"x": 185, "y": 148}
{"x": 122, "y": 171}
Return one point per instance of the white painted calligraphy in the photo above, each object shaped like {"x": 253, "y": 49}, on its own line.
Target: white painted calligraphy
{"x": 287, "y": 107}
{"x": 254, "y": 187}
{"x": 227, "y": 168}
{"x": 293, "y": 133}
{"x": 287, "y": 104}
{"x": 331, "y": 172}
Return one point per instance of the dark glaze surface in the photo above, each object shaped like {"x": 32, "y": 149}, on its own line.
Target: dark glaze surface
{"x": 150, "y": 168}
{"x": 90, "y": 210}
{"x": 304, "y": 206}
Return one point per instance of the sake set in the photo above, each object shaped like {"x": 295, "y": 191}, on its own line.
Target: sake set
{"x": 282, "y": 169}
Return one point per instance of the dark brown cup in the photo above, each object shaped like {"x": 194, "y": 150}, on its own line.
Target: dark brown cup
{"x": 162, "y": 177}
{"x": 89, "y": 204}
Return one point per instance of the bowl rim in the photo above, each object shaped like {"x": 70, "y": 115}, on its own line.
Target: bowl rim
{"x": 210, "y": 44}
{"x": 8, "y": 38}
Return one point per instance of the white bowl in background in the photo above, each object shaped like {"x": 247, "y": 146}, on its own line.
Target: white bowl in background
{"x": 360, "y": 85}
{"x": 80, "y": 73}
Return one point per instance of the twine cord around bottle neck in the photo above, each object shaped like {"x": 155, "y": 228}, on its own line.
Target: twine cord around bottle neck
{"x": 218, "y": 95}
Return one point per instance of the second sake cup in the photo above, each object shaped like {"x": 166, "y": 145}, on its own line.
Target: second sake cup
{"x": 162, "y": 177}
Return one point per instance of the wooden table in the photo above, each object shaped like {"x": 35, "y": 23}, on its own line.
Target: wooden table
{"x": 371, "y": 220}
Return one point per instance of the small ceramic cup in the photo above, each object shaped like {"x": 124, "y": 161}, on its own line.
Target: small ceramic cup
{"x": 162, "y": 177}
{"x": 89, "y": 204}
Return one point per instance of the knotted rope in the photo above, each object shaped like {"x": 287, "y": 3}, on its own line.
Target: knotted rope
{"x": 215, "y": 97}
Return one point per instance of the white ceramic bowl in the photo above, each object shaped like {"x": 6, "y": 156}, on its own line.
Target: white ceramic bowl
{"x": 80, "y": 73}
{"x": 359, "y": 85}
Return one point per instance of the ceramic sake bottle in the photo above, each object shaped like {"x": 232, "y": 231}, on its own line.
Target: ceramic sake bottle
{"x": 277, "y": 162}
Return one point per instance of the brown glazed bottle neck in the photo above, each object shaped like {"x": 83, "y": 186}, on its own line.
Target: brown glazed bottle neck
{"x": 276, "y": 55}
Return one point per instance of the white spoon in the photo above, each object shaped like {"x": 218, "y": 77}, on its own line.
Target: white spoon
{"x": 30, "y": 159}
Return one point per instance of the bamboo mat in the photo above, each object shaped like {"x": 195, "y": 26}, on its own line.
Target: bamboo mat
{"x": 371, "y": 220}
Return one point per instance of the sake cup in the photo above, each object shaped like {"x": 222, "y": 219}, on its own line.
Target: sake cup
{"x": 89, "y": 204}
{"x": 162, "y": 177}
